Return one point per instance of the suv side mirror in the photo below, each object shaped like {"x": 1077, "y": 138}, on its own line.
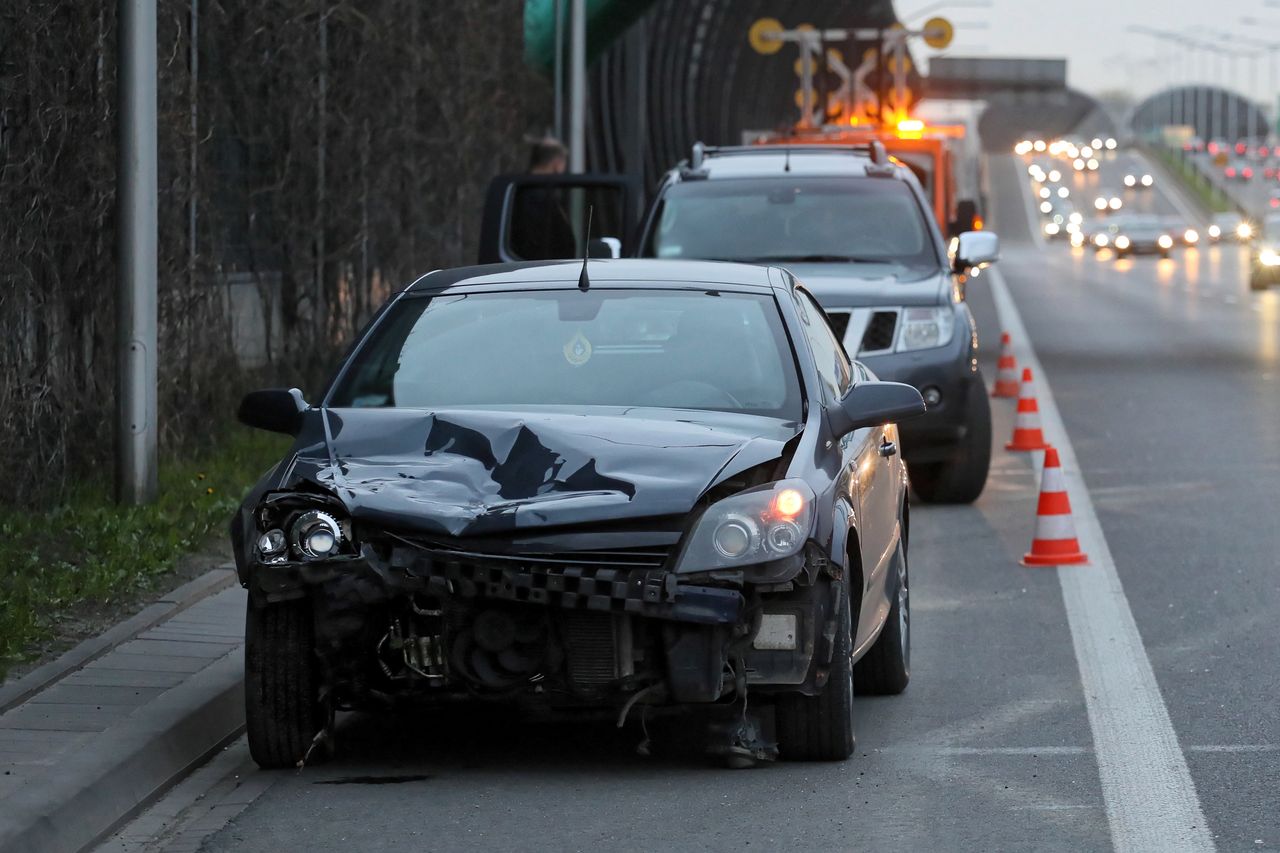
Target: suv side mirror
{"x": 974, "y": 249}
{"x": 604, "y": 247}
{"x": 875, "y": 404}
{"x": 273, "y": 409}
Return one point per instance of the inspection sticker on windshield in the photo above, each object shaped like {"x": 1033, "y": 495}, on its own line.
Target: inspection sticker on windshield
{"x": 578, "y": 351}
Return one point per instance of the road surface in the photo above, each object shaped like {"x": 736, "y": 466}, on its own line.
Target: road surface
{"x": 1165, "y": 376}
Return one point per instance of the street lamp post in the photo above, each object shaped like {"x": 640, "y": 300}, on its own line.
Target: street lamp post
{"x": 137, "y": 196}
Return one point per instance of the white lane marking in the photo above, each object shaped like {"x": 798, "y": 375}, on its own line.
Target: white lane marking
{"x": 1150, "y": 797}
{"x": 1170, "y": 189}
{"x": 1036, "y": 751}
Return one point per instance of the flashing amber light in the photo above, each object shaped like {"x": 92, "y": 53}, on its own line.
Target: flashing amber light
{"x": 788, "y": 503}
{"x": 978, "y": 223}
{"x": 911, "y": 125}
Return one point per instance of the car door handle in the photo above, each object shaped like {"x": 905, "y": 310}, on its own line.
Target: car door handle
{"x": 888, "y": 448}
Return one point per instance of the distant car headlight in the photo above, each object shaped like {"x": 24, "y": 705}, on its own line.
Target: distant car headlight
{"x": 1147, "y": 180}
{"x": 1130, "y": 180}
{"x": 1165, "y": 241}
{"x": 1077, "y": 239}
{"x": 1122, "y": 242}
{"x": 1215, "y": 232}
{"x": 315, "y": 535}
{"x": 1052, "y": 228}
{"x": 1191, "y": 235}
{"x": 925, "y": 328}
{"x": 1244, "y": 230}
{"x": 1269, "y": 258}
{"x": 769, "y": 522}
{"x": 1101, "y": 241}
{"x": 1116, "y": 203}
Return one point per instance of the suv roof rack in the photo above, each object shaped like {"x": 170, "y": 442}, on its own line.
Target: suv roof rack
{"x": 695, "y": 166}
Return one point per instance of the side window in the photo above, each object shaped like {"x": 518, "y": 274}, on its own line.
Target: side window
{"x": 833, "y": 365}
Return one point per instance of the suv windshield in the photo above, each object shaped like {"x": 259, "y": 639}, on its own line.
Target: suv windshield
{"x": 683, "y": 349}
{"x": 780, "y": 220}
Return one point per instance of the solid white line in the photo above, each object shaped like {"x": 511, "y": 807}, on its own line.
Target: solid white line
{"x": 1149, "y": 794}
{"x": 1170, "y": 189}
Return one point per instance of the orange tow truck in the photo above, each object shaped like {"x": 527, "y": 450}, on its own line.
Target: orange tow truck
{"x": 928, "y": 150}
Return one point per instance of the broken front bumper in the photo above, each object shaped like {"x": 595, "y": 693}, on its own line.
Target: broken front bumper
{"x": 653, "y": 593}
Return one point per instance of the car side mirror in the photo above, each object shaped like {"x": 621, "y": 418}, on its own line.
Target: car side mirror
{"x": 974, "y": 250}
{"x": 604, "y": 247}
{"x": 273, "y": 409}
{"x": 874, "y": 404}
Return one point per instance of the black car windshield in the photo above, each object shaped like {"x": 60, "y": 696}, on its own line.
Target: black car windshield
{"x": 781, "y": 220}
{"x": 683, "y": 349}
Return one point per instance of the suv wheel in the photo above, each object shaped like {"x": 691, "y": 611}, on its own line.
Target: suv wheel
{"x": 886, "y": 667}
{"x": 283, "y": 712}
{"x": 960, "y": 479}
{"x": 820, "y": 728}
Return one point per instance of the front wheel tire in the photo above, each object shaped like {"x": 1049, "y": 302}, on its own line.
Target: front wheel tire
{"x": 885, "y": 670}
{"x": 283, "y": 712}
{"x": 820, "y": 728}
{"x": 961, "y": 479}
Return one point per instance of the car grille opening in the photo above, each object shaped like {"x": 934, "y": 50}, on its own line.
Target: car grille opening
{"x": 880, "y": 332}
{"x": 590, "y": 649}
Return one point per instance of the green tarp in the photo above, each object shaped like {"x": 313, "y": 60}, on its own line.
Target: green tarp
{"x": 606, "y": 20}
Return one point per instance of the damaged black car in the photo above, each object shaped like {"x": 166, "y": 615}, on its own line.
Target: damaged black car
{"x": 659, "y": 487}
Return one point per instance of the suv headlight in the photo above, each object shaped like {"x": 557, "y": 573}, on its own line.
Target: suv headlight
{"x": 769, "y": 522}
{"x": 924, "y": 328}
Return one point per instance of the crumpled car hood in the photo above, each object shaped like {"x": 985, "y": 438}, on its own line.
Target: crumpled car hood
{"x": 473, "y": 472}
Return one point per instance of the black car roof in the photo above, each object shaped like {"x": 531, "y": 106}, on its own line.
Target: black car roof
{"x": 531, "y": 275}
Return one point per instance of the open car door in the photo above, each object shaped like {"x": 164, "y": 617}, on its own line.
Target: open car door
{"x": 544, "y": 217}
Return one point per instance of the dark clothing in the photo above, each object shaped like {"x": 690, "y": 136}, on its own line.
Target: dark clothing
{"x": 540, "y": 230}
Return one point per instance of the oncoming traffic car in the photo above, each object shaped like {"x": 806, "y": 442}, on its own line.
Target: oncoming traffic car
{"x": 1264, "y": 269}
{"x": 856, "y": 228}
{"x": 1141, "y": 234}
{"x": 647, "y": 485}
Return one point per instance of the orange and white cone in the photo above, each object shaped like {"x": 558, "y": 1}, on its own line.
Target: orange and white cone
{"x": 1006, "y": 370}
{"x": 1055, "y": 543}
{"x": 1027, "y": 434}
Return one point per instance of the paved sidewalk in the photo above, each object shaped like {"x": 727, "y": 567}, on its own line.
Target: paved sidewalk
{"x": 89, "y": 749}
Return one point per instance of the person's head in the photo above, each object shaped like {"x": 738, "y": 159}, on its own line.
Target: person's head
{"x": 547, "y": 156}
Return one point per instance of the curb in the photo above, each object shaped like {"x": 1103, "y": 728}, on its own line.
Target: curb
{"x": 176, "y": 601}
{"x": 112, "y": 778}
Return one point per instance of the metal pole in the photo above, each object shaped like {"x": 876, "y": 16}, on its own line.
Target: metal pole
{"x": 559, "y": 70}
{"x": 637, "y": 116}
{"x": 1233, "y": 103}
{"x": 1253, "y": 93}
{"x": 577, "y": 85}
{"x": 137, "y": 194}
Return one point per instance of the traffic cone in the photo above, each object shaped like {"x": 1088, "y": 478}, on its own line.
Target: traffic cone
{"x": 1055, "y": 543}
{"x": 1027, "y": 434}
{"x": 1006, "y": 370}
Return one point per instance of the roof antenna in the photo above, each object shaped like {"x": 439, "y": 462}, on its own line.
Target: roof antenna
{"x": 584, "y": 283}
{"x": 786, "y": 164}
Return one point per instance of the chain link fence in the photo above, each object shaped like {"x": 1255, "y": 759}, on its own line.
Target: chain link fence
{"x": 314, "y": 156}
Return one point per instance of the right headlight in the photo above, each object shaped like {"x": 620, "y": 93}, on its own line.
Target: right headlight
{"x": 925, "y": 328}
{"x": 769, "y": 522}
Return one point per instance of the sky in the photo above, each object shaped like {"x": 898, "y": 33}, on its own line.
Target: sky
{"x": 1102, "y": 54}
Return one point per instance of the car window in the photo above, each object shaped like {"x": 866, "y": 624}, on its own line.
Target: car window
{"x": 827, "y": 219}
{"x": 833, "y": 364}
{"x": 686, "y": 349}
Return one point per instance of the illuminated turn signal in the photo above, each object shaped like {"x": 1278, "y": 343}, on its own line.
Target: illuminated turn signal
{"x": 788, "y": 503}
